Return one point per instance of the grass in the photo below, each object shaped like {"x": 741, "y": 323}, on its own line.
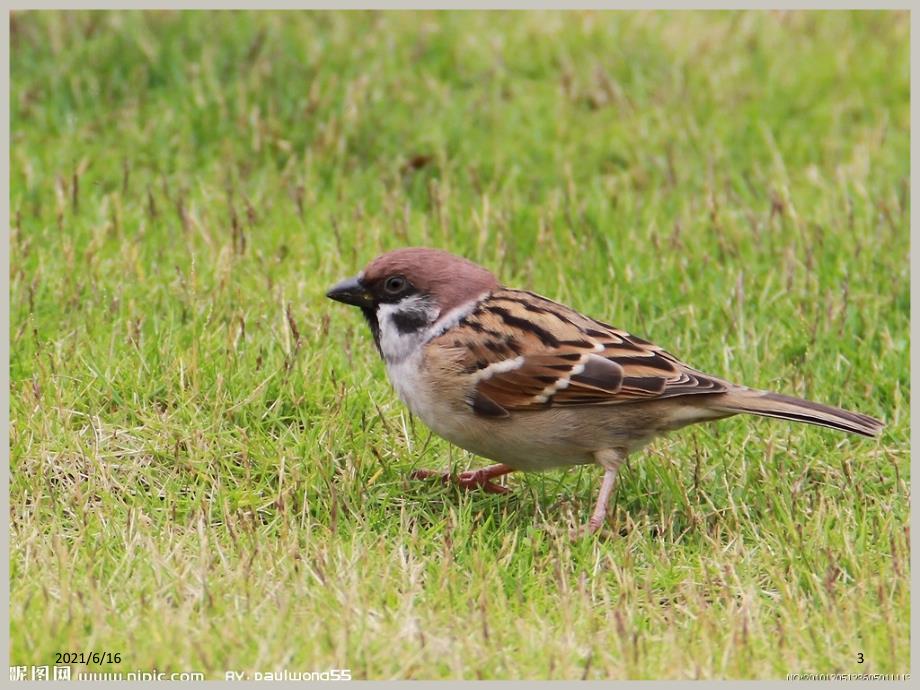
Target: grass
{"x": 208, "y": 466}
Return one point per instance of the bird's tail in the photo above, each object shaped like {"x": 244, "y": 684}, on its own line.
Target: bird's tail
{"x": 781, "y": 406}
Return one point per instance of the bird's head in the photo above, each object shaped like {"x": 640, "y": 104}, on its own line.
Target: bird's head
{"x": 405, "y": 292}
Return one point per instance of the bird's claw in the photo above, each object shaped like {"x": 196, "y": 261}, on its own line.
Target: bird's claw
{"x": 471, "y": 479}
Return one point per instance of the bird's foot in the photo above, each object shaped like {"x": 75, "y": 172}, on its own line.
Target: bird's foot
{"x": 474, "y": 479}
{"x": 471, "y": 479}
{"x": 589, "y": 528}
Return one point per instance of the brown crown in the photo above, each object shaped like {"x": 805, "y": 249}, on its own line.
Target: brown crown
{"x": 451, "y": 280}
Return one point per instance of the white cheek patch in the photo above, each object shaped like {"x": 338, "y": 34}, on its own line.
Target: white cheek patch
{"x": 396, "y": 342}
{"x": 410, "y": 305}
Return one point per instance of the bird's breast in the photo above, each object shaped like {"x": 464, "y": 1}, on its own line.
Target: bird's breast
{"x": 428, "y": 397}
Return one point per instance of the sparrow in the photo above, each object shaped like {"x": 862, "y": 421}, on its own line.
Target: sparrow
{"x": 533, "y": 384}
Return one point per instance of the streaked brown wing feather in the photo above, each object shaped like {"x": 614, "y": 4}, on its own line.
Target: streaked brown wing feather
{"x": 528, "y": 352}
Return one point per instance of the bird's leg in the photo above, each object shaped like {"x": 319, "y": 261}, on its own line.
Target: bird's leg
{"x": 610, "y": 460}
{"x": 603, "y": 498}
{"x": 472, "y": 479}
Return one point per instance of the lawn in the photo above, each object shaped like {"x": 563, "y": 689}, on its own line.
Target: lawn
{"x": 209, "y": 469}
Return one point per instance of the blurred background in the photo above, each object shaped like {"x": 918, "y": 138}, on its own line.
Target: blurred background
{"x": 207, "y": 463}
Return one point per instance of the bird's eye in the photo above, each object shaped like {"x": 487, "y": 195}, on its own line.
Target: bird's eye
{"x": 395, "y": 285}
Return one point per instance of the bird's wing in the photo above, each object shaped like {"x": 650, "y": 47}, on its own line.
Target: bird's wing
{"x": 524, "y": 352}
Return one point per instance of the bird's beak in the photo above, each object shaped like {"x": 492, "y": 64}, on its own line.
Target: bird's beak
{"x": 351, "y": 291}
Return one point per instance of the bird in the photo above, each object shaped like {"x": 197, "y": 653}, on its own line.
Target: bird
{"x": 532, "y": 384}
